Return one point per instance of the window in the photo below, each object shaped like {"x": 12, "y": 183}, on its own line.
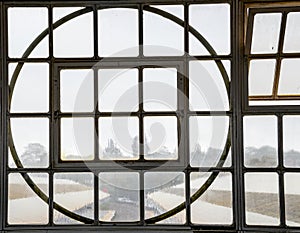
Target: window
{"x": 150, "y": 116}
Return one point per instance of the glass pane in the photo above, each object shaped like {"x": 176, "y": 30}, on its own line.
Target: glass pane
{"x": 176, "y": 10}
{"x": 74, "y": 191}
{"x": 122, "y": 203}
{"x": 119, "y": 138}
{"x": 292, "y": 194}
{"x": 266, "y": 30}
{"x": 262, "y": 199}
{"x": 118, "y": 90}
{"x": 162, "y": 37}
{"x": 160, "y": 89}
{"x": 208, "y": 136}
{"x": 75, "y": 37}
{"x": 31, "y": 91}
{"x": 76, "y": 91}
{"x": 292, "y": 33}
{"x": 77, "y": 139}
{"x": 31, "y": 141}
{"x": 289, "y": 82}
{"x": 163, "y": 192}
{"x": 24, "y": 206}
{"x": 291, "y": 146}
{"x": 24, "y": 25}
{"x": 118, "y": 32}
{"x": 161, "y": 138}
{"x": 260, "y": 141}
{"x": 207, "y": 92}
{"x": 212, "y": 21}
{"x": 261, "y": 77}
{"x": 215, "y": 205}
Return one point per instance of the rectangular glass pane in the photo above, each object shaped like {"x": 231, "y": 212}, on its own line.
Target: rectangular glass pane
{"x": 260, "y": 141}
{"x": 121, "y": 192}
{"x": 292, "y": 33}
{"x": 289, "y": 82}
{"x": 262, "y": 199}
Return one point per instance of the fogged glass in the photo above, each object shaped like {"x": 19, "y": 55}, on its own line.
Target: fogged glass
{"x": 160, "y": 138}
{"x": 75, "y": 192}
{"x": 24, "y": 205}
{"x": 31, "y": 90}
{"x": 212, "y": 21}
{"x": 31, "y": 140}
{"x": 262, "y": 199}
{"x": 266, "y": 28}
{"x": 292, "y": 33}
{"x": 119, "y": 138}
{"x": 261, "y": 77}
{"x": 162, "y": 37}
{"x": 214, "y": 206}
{"x": 77, "y": 138}
{"x": 208, "y": 137}
{"x": 160, "y": 89}
{"x": 260, "y": 141}
{"x": 207, "y": 92}
{"x": 163, "y": 192}
{"x": 289, "y": 82}
{"x": 119, "y": 199}
{"x": 77, "y": 90}
{"x": 24, "y": 26}
{"x": 118, "y": 32}
{"x": 73, "y": 38}
{"x": 291, "y": 146}
{"x": 291, "y": 196}
{"x": 118, "y": 90}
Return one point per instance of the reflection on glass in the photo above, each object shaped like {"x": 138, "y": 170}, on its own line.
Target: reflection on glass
{"x": 160, "y": 89}
{"x": 161, "y": 138}
{"x": 31, "y": 91}
{"x": 121, "y": 25}
{"x": 215, "y": 205}
{"x": 24, "y": 206}
{"x": 162, "y": 37}
{"x": 291, "y": 146}
{"x": 207, "y": 92}
{"x": 262, "y": 199}
{"x": 292, "y": 33}
{"x": 77, "y": 138}
{"x": 289, "y": 82}
{"x": 119, "y": 199}
{"x": 118, "y": 90}
{"x": 163, "y": 192}
{"x": 119, "y": 138}
{"x": 75, "y": 37}
{"x": 215, "y": 28}
{"x": 74, "y": 191}
{"x": 24, "y": 25}
{"x": 260, "y": 141}
{"x": 76, "y": 90}
{"x": 266, "y": 30}
{"x": 261, "y": 77}
{"x": 208, "y": 136}
{"x": 292, "y": 194}
{"x": 31, "y": 140}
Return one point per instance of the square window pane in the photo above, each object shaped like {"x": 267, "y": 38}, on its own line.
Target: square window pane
{"x": 292, "y": 33}
{"x": 118, "y": 32}
{"x": 77, "y": 139}
{"x": 262, "y": 199}
{"x": 119, "y": 138}
{"x": 118, "y": 90}
{"x": 122, "y": 202}
{"x": 75, "y": 192}
{"x": 160, "y": 138}
{"x": 215, "y": 205}
{"x": 260, "y": 141}
{"x": 160, "y": 89}
{"x": 289, "y": 82}
{"x": 76, "y": 90}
